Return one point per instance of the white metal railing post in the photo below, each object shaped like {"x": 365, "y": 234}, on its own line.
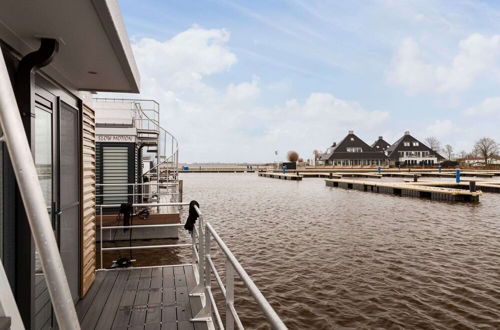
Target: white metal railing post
{"x": 199, "y": 288}
{"x": 229, "y": 295}
{"x": 100, "y": 233}
{"x": 34, "y": 203}
{"x": 208, "y": 274}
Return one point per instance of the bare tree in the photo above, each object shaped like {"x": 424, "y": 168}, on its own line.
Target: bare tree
{"x": 463, "y": 154}
{"x": 433, "y": 143}
{"x": 448, "y": 149}
{"x": 486, "y": 148}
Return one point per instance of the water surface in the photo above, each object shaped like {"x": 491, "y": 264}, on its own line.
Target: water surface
{"x": 329, "y": 258}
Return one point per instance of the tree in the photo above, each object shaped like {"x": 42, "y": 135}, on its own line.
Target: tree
{"x": 448, "y": 149}
{"x": 463, "y": 154}
{"x": 433, "y": 143}
{"x": 486, "y": 148}
{"x": 292, "y": 156}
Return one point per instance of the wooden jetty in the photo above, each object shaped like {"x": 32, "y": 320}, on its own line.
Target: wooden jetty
{"x": 319, "y": 175}
{"x": 453, "y": 174}
{"x": 218, "y": 170}
{"x": 407, "y": 189}
{"x": 337, "y": 175}
{"x": 400, "y": 174}
{"x": 360, "y": 175}
{"x": 286, "y": 176}
{"x": 484, "y": 186}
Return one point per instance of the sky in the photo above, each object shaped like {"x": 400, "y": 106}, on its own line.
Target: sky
{"x": 239, "y": 80}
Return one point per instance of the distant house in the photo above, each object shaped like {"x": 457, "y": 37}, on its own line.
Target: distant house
{"x": 408, "y": 151}
{"x": 380, "y": 145}
{"x": 479, "y": 161}
{"x": 352, "y": 151}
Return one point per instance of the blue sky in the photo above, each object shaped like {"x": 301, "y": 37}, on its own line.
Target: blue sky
{"x": 239, "y": 79}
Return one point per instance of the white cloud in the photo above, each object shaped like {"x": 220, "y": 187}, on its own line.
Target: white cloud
{"x": 478, "y": 56}
{"x": 182, "y": 62}
{"x": 245, "y": 91}
{"x": 442, "y": 128}
{"x": 228, "y": 123}
{"x": 489, "y": 106}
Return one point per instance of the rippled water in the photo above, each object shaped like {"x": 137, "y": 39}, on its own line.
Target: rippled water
{"x": 332, "y": 258}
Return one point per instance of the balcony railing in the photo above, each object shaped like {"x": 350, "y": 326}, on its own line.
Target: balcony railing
{"x": 201, "y": 251}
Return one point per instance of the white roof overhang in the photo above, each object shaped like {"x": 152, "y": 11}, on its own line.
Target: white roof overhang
{"x": 94, "y": 51}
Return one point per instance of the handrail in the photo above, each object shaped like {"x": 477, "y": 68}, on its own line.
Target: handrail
{"x": 232, "y": 265}
{"x": 201, "y": 254}
{"x": 264, "y": 305}
{"x": 34, "y": 204}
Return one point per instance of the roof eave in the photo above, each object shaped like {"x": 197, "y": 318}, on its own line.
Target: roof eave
{"x": 111, "y": 19}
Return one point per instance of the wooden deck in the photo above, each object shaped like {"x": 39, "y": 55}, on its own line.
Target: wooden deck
{"x": 484, "y": 186}
{"x": 407, "y": 189}
{"x": 141, "y": 298}
{"x": 287, "y": 176}
{"x": 319, "y": 175}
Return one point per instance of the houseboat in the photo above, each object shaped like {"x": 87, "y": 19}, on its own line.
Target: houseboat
{"x": 54, "y": 55}
{"x": 129, "y": 136}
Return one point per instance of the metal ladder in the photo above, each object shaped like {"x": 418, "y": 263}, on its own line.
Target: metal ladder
{"x": 31, "y": 192}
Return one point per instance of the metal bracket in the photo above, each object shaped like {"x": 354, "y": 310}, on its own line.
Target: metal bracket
{"x": 198, "y": 291}
{"x": 203, "y": 315}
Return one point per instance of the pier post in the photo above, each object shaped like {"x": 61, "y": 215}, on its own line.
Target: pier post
{"x": 415, "y": 177}
{"x": 472, "y": 186}
{"x": 180, "y": 190}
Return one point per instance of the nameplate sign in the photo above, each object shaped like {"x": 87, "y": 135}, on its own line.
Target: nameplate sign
{"x": 116, "y": 138}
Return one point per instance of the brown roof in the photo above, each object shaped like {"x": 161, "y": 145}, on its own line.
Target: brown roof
{"x": 353, "y": 141}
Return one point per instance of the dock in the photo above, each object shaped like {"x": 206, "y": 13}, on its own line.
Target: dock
{"x": 141, "y": 298}
{"x": 490, "y": 187}
{"x": 408, "y": 189}
{"x": 286, "y": 176}
{"x": 360, "y": 175}
{"x": 218, "y": 170}
{"x": 319, "y": 175}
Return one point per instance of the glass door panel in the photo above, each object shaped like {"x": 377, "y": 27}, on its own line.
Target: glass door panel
{"x": 43, "y": 158}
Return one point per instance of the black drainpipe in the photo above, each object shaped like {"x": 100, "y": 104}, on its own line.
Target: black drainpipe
{"x": 24, "y": 86}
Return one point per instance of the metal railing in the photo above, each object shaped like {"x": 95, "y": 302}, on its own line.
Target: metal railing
{"x": 138, "y": 192}
{"x": 159, "y": 143}
{"x": 201, "y": 238}
{"x": 206, "y": 267}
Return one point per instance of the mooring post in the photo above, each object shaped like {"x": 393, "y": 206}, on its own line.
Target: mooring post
{"x": 379, "y": 169}
{"x": 457, "y": 177}
{"x": 180, "y": 190}
{"x": 415, "y": 177}
{"x": 440, "y": 169}
{"x": 472, "y": 186}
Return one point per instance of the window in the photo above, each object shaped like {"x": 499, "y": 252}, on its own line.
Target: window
{"x": 354, "y": 149}
{"x": 352, "y": 139}
{"x": 406, "y": 144}
{"x": 415, "y": 144}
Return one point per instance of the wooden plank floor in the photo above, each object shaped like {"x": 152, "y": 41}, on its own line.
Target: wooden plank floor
{"x": 141, "y": 298}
